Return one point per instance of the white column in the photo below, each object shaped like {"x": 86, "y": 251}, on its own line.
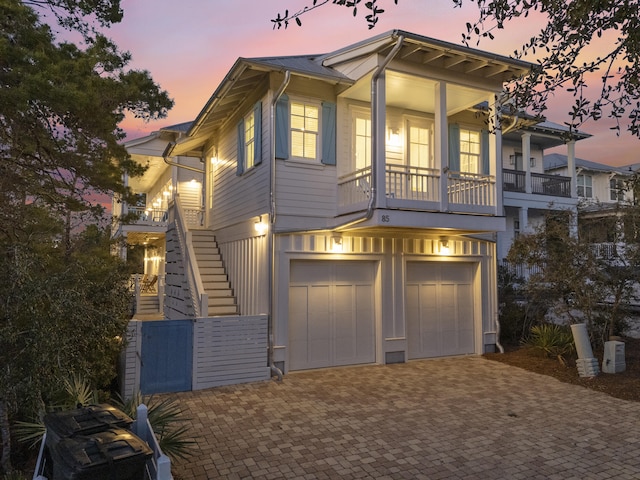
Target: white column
{"x": 495, "y": 153}
{"x": 526, "y": 155}
{"x": 571, "y": 166}
{"x": 378, "y": 122}
{"x": 442, "y": 142}
{"x": 523, "y": 217}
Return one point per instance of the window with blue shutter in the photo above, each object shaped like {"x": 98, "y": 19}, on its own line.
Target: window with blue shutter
{"x": 282, "y": 127}
{"x": 328, "y": 133}
{"x": 454, "y": 148}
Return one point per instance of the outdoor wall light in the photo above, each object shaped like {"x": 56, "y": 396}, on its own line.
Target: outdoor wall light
{"x": 393, "y": 137}
{"x": 336, "y": 244}
{"x": 444, "y": 246}
{"x": 260, "y": 227}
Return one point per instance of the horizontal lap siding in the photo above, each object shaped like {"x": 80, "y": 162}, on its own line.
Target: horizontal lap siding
{"x": 306, "y": 190}
{"x": 229, "y": 350}
{"x": 239, "y": 197}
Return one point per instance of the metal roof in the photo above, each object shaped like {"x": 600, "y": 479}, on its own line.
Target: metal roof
{"x": 556, "y": 160}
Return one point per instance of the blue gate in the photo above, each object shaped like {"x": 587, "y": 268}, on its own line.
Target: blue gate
{"x": 167, "y": 356}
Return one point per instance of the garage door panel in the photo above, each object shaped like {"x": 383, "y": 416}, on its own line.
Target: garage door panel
{"x": 340, "y": 311}
{"x": 439, "y": 309}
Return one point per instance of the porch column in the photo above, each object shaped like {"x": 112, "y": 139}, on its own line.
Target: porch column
{"x": 523, "y": 218}
{"x": 571, "y": 167}
{"x": 526, "y": 155}
{"x": 495, "y": 152}
{"x": 378, "y": 129}
{"x": 441, "y": 142}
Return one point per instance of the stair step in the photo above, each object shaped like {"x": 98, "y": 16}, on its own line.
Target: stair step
{"x": 207, "y": 268}
{"x": 209, "y": 264}
{"x": 212, "y": 286}
{"x": 213, "y": 277}
{"x": 215, "y": 311}
{"x": 220, "y": 301}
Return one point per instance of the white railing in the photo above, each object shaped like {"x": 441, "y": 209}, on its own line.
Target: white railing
{"x": 467, "y": 192}
{"x": 152, "y": 216}
{"x": 354, "y": 188}
{"x": 194, "y": 217}
{"x": 159, "y": 466}
{"x": 472, "y": 189}
{"x": 196, "y": 288}
{"x": 413, "y": 183}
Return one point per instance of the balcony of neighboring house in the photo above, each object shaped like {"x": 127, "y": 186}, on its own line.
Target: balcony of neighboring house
{"x": 541, "y": 183}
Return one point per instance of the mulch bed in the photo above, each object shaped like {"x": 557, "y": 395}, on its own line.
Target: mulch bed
{"x": 624, "y": 385}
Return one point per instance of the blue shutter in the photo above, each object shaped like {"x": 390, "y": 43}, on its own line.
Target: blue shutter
{"x": 257, "y": 133}
{"x": 240, "y": 163}
{"x": 484, "y": 157}
{"x": 282, "y": 127}
{"x": 328, "y": 133}
{"x": 454, "y": 147}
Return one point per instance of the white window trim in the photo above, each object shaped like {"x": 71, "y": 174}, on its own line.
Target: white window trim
{"x": 318, "y": 105}
{"x": 420, "y": 122}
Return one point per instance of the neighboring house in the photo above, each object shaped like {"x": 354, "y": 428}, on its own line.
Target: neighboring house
{"x": 530, "y": 190}
{"x": 353, "y": 197}
{"x": 163, "y": 182}
{"x": 602, "y": 190}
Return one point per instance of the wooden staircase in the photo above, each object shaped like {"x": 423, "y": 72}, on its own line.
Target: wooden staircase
{"x": 213, "y": 275}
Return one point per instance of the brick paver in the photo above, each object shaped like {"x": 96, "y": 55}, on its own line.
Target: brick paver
{"x": 455, "y": 418}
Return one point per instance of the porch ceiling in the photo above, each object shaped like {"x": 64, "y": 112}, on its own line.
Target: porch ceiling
{"x": 155, "y": 167}
{"x": 415, "y": 93}
{"x": 145, "y": 238}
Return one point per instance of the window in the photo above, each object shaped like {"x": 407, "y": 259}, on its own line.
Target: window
{"x": 298, "y": 127}
{"x": 304, "y": 130}
{"x": 420, "y": 146}
{"x": 249, "y": 141}
{"x": 469, "y": 150}
{"x": 362, "y": 141}
{"x": 585, "y": 186}
{"x": 616, "y": 189}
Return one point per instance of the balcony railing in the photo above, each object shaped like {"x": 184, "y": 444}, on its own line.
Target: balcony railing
{"x": 149, "y": 217}
{"x": 541, "y": 183}
{"x": 420, "y": 188}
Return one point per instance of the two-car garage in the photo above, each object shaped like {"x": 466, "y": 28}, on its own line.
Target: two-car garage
{"x": 334, "y": 313}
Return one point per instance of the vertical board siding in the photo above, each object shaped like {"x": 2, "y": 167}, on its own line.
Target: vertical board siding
{"x": 229, "y": 350}
{"x": 246, "y": 262}
{"x": 221, "y": 351}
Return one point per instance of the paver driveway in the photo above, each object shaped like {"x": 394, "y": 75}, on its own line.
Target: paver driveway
{"x": 454, "y": 418}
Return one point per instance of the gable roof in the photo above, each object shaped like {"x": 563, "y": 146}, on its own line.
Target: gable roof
{"x": 248, "y": 74}
{"x": 556, "y": 161}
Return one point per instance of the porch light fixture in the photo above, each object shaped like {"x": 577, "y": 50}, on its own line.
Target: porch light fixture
{"x": 393, "y": 137}
{"x": 260, "y": 226}
{"x": 336, "y": 244}
{"x": 444, "y": 246}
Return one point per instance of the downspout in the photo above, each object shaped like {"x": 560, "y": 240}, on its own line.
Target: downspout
{"x": 165, "y": 157}
{"x": 272, "y": 221}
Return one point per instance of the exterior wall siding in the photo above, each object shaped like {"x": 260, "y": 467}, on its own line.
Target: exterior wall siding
{"x": 238, "y": 197}
{"x": 246, "y": 263}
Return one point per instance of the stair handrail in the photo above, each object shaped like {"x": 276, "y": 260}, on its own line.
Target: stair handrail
{"x": 197, "y": 292}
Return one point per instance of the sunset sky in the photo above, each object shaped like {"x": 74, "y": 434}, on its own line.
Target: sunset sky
{"x": 189, "y": 46}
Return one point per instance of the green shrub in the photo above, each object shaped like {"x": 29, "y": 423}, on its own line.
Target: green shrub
{"x": 554, "y": 340}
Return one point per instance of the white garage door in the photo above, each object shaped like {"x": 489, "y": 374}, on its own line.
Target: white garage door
{"x": 439, "y": 309}
{"x": 331, "y": 314}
